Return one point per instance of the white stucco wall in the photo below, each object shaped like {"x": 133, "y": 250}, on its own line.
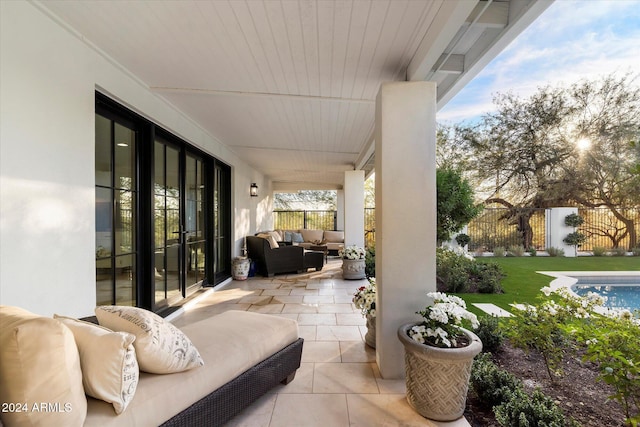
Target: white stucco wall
{"x": 557, "y": 230}
{"x": 48, "y": 78}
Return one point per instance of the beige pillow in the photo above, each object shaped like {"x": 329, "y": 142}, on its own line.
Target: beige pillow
{"x": 108, "y": 361}
{"x": 161, "y": 348}
{"x": 39, "y": 368}
{"x": 276, "y": 235}
{"x": 272, "y": 241}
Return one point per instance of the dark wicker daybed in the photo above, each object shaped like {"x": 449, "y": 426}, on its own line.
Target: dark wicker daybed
{"x": 230, "y": 399}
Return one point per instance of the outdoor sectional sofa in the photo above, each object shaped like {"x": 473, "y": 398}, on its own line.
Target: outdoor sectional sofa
{"x": 334, "y": 240}
{"x": 244, "y": 355}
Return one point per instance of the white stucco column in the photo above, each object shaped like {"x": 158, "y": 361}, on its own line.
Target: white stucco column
{"x": 405, "y": 168}
{"x": 340, "y": 210}
{"x": 354, "y": 208}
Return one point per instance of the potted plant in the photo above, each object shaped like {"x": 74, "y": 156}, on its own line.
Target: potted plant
{"x": 576, "y": 238}
{"x": 353, "y": 265}
{"x": 365, "y": 300}
{"x": 439, "y": 354}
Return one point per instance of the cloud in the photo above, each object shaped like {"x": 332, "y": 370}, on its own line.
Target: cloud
{"x": 570, "y": 41}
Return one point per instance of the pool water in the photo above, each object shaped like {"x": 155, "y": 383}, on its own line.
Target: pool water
{"x": 619, "y": 291}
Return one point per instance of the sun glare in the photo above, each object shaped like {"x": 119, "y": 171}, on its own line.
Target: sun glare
{"x": 583, "y": 144}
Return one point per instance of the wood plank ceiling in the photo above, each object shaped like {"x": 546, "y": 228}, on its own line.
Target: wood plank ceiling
{"x": 289, "y": 85}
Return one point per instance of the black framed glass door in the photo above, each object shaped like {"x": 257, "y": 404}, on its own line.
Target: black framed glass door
{"x": 116, "y": 211}
{"x": 163, "y": 212}
{"x": 179, "y": 232}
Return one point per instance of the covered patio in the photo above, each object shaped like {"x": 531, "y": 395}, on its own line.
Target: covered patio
{"x": 263, "y": 96}
{"x": 338, "y": 383}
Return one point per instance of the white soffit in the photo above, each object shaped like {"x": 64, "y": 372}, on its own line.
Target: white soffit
{"x": 290, "y": 85}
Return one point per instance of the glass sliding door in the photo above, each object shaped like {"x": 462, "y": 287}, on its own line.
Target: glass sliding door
{"x": 195, "y": 192}
{"x": 221, "y": 216}
{"x": 116, "y": 195}
{"x": 163, "y": 213}
{"x": 168, "y": 229}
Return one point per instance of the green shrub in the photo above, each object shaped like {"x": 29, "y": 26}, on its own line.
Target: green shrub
{"x": 370, "y": 262}
{"x": 599, "y": 251}
{"x": 515, "y": 251}
{"x": 532, "y": 251}
{"x": 618, "y": 251}
{"x": 457, "y": 273}
{"x": 636, "y": 251}
{"x": 522, "y": 410}
{"x": 451, "y": 271}
{"x": 491, "y": 384}
{"x": 485, "y": 278}
{"x": 463, "y": 239}
{"x": 612, "y": 343}
{"x": 499, "y": 251}
{"x": 573, "y": 220}
{"x": 490, "y": 334}
{"x": 555, "y": 252}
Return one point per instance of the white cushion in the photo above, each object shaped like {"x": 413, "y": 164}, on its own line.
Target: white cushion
{"x": 161, "y": 348}
{"x": 230, "y": 343}
{"x": 108, "y": 360}
{"x": 39, "y": 364}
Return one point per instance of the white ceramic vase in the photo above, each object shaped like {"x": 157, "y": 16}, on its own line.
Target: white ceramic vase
{"x": 353, "y": 269}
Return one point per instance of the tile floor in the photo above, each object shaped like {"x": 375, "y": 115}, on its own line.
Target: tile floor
{"x": 338, "y": 383}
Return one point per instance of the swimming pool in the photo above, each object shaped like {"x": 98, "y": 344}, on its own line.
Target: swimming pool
{"x": 619, "y": 291}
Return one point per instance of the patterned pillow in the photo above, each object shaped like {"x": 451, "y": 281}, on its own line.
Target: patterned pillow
{"x": 161, "y": 347}
{"x": 108, "y": 362}
{"x": 297, "y": 238}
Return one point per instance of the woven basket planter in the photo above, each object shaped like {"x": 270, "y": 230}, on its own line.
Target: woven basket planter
{"x": 370, "y": 336}
{"x": 438, "y": 378}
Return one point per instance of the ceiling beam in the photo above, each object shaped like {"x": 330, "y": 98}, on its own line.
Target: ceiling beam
{"x": 450, "y": 64}
{"x": 493, "y": 15}
{"x": 450, "y": 17}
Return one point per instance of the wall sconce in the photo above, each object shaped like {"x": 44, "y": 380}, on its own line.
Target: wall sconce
{"x": 253, "y": 190}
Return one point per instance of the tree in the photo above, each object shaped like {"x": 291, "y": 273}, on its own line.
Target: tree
{"x": 306, "y": 200}
{"x": 609, "y": 116}
{"x": 455, "y": 202}
{"x": 527, "y": 152}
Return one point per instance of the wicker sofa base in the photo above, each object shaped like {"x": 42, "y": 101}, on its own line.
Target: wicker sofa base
{"x": 226, "y": 402}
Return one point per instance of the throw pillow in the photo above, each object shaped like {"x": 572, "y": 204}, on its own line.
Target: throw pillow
{"x": 287, "y": 236}
{"x": 273, "y": 244}
{"x": 40, "y": 371}
{"x": 161, "y": 348}
{"x": 108, "y": 361}
{"x": 297, "y": 238}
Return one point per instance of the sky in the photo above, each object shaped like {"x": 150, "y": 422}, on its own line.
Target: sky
{"x": 570, "y": 41}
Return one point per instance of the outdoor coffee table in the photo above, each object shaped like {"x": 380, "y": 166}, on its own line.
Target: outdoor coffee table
{"x": 320, "y": 248}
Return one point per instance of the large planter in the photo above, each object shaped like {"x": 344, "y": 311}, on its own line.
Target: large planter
{"x": 438, "y": 378}
{"x": 370, "y": 336}
{"x": 240, "y": 268}
{"x": 353, "y": 269}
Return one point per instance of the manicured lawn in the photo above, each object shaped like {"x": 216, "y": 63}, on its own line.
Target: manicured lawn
{"x": 523, "y": 284}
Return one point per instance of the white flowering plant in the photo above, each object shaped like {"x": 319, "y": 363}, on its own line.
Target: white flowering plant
{"x": 365, "y": 298}
{"x": 442, "y": 322}
{"x": 352, "y": 252}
